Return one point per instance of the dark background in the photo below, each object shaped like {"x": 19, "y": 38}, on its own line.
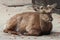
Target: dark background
{"x": 45, "y": 2}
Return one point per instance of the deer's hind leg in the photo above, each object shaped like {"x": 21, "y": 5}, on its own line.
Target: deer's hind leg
{"x": 11, "y": 26}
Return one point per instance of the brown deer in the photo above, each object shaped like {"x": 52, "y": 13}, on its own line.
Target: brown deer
{"x": 31, "y": 23}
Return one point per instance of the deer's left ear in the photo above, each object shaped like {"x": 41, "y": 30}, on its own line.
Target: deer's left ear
{"x": 54, "y": 5}
{"x": 36, "y": 7}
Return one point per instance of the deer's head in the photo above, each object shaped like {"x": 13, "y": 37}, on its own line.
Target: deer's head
{"x": 45, "y": 12}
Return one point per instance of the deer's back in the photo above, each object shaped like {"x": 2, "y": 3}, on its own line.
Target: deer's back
{"x": 26, "y": 19}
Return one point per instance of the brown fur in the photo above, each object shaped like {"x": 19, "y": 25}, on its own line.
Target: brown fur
{"x": 30, "y": 23}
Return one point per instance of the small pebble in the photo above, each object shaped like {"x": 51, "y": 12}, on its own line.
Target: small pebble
{"x": 22, "y": 37}
{"x": 29, "y": 38}
{"x": 35, "y": 38}
{"x": 9, "y": 14}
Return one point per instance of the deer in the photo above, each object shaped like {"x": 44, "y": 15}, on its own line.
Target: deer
{"x": 39, "y": 3}
{"x": 31, "y": 23}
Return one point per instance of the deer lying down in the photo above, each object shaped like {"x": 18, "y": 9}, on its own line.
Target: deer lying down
{"x": 31, "y": 23}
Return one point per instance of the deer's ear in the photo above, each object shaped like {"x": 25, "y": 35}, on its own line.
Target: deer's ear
{"x": 54, "y": 5}
{"x": 36, "y": 7}
{"x": 41, "y": 7}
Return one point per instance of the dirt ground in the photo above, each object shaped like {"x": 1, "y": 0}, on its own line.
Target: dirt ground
{"x": 7, "y": 12}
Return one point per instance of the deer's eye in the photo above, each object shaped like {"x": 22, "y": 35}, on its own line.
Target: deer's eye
{"x": 49, "y": 7}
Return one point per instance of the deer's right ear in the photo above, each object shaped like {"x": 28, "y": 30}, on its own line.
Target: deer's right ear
{"x": 54, "y": 5}
{"x": 36, "y": 7}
